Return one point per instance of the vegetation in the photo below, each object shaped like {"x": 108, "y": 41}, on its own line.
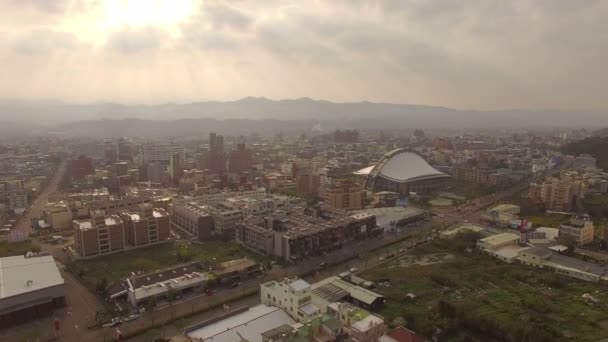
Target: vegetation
{"x": 477, "y": 298}
{"x": 110, "y": 268}
{"x": 17, "y": 248}
{"x": 596, "y": 205}
{"x": 596, "y": 146}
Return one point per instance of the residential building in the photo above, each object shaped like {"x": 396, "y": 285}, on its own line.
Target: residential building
{"x": 194, "y": 219}
{"x": 101, "y": 234}
{"x": 31, "y": 287}
{"x": 58, "y": 215}
{"x": 359, "y": 325}
{"x": 14, "y": 193}
{"x": 344, "y": 195}
{"x": 146, "y": 225}
{"x": 580, "y": 229}
{"x": 292, "y": 295}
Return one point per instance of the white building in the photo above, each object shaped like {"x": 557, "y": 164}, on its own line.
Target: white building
{"x": 293, "y": 296}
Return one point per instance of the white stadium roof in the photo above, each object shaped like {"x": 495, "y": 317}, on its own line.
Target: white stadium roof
{"x": 402, "y": 166}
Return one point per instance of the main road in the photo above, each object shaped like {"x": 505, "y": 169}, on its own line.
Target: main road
{"x": 24, "y": 224}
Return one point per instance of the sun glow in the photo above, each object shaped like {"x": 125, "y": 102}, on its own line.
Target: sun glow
{"x": 146, "y": 12}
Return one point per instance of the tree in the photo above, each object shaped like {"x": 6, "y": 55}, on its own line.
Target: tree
{"x": 102, "y": 286}
{"x": 150, "y": 305}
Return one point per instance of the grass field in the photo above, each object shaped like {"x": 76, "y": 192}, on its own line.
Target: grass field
{"x": 553, "y": 221}
{"x": 16, "y": 248}
{"x": 116, "y": 266}
{"x": 471, "y": 297}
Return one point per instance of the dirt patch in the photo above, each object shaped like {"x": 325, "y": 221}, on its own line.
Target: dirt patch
{"x": 423, "y": 260}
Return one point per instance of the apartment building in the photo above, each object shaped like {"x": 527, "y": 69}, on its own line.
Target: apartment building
{"x": 101, "y": 234}
{"x": 347, "y": 196}
{"x": 291, "y": 295}
{"x": 194, "y": 219}
{"x": 214, "y": 198}
{"x": 580, "y": 228}
{"x": 559, "y": 194}
{"x": 146, "y": 226}
{"x": 159, "y": 153}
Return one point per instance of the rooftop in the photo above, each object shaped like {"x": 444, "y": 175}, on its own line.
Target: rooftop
{"x": 500, "y": 238}
{"x": 250, "y": 325}
{"x": 19, "y": 275}
{"x": 401, "y": 165}
{"x": 367, "y": 323}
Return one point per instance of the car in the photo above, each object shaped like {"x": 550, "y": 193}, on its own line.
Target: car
{"x": 116, "y": 321}
{"x": 381, "y": 258}
{"x": 323, "y": 265}
{"x": 234, "y": 285}
{"x": 130, "y": 318}
{"x": 401, "y": 250}
{"x": 354, "y": 270}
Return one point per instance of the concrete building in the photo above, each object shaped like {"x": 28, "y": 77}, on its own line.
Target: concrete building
{"x": 58, "y": 215}
{"x": 30, "y": 287}
{"x": 121, "y": 169}
{"x": 240, "y": 159}
{"x": 160, "y": 153}
{"x": 303, "y": 231}
{"x": 146, "y": 226}
{"x": 14, "y": 193}
{"x": 347, "y": 196}
{"x": 102, "y": 234}
{"x": 214, "y": 198}
{"x": 81, "y": 167}
{"x": 194, "y": 219}
{"x": 176, "y": 168}
{"x": 580, "y": 229}
{"x": 180, "y": 279}
{"x": 156, "y": 172}
{"x": 495, "y": 242}
{"x": 559, "y": 194}
{"x": 292, "y": 295}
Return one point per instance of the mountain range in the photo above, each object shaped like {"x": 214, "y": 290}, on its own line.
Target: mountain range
{"x": 251, "y": 113}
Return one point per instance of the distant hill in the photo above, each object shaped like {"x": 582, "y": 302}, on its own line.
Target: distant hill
{"x": 596, "y": 146}
{"x": 352, "y": 114}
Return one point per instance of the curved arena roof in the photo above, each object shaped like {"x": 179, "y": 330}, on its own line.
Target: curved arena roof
{"x": 402, "y": 166}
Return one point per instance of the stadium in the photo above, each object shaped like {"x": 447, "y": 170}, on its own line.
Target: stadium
{"x": 403, "y": 171}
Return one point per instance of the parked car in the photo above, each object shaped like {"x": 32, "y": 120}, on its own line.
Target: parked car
{"x": 354, "y": 270}
{"x": 381, "y": 258}
{"x": 116, "y": 321}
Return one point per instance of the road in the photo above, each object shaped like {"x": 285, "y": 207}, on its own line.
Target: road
{"x": 24, "y": 224}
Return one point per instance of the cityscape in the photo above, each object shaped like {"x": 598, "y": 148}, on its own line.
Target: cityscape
{"x": 224, "y": 205}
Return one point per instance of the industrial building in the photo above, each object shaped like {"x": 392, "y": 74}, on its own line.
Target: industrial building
{"x": 30, "y": 287}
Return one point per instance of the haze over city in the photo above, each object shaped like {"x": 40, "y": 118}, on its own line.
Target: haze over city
{"x": 303, "y": 171}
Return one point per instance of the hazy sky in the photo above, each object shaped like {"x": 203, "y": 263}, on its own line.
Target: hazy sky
{"x": 485, "y": 54}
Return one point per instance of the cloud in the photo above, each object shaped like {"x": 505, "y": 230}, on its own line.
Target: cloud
{"x": 474, "y": 54}
{"x": 132, "y": 40}
{"x": 43, "y": 41}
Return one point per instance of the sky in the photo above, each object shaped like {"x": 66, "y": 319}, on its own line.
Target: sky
{"x": 473, "y": 54}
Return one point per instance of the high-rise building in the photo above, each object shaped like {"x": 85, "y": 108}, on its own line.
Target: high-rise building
{"x": 155, "y": 172}
{"x": 240, "y": 159}
{"x": 345, "y": 195}
{"x": 158, "y": 153}
{"x": 125, "y": 149}
{"x": 81, "y": 167}
{"x": 216, "y": 158}
{"x": 110, "y": 152}
{"x": 121, "y": 168}
{"x": 176, "y": 169}
{"x": 102, "y": 234}
{"x": 146, "y": 225}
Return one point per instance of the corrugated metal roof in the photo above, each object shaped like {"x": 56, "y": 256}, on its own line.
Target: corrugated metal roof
{"x": 19, "y": 275}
